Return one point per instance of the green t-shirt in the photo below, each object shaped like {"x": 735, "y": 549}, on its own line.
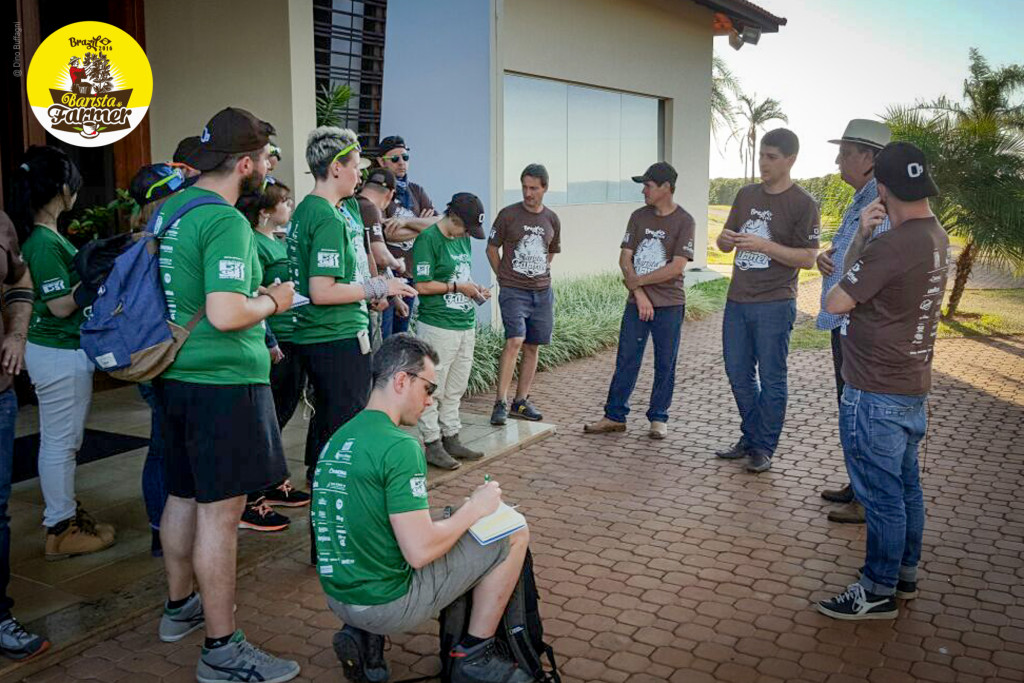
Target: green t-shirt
{"x": 368, "y": 470}
{"x": 211, "y": 249}
{"x": 273, "y": 256}
{"x": 320, "y": 244}
{"x": 49, "y": 256}
{"x": 444, "y": 259}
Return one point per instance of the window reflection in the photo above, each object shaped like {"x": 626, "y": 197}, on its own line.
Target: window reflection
{"x": 592, "y": 141}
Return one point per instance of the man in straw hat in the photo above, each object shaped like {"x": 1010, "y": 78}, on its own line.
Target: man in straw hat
{"x": 861, "y": 142}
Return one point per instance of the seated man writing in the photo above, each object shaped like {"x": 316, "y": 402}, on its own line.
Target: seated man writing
{"x": 385, "y": 565}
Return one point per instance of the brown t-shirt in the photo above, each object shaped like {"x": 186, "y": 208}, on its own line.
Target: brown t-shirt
{"x": 789, "y": 218}
{"x": 655, "y": 241}
{"x": 898, "y": 283}
{"x": 526, "y": 239}
{"x": 12, "y": 268}
{"x": 418, "y": 200}
{"x": 372, "y": 222}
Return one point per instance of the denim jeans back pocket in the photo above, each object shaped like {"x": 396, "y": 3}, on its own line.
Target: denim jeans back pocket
{"x": 887, "y": 432}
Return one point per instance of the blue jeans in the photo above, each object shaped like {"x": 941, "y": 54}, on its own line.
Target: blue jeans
{"x": 880, "y": 434}
{"x": 154, "y": 490}
{"x": 8, "y": 414}
{"x": 755, "y": 344}
{"x": 665, "y": 330}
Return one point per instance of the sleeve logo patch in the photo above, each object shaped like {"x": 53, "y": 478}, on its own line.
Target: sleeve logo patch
{"x": 418, "y": 486}
{"x": 54, "y": 285}
{"x": 328, "y": 259}
{"x": 423, "y": 269}
{"x": 231, "y": 269}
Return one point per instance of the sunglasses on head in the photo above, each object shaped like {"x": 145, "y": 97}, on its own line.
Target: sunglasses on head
{"x": 395, "y": 158}
{"x": 354, "y": 146}
{"x": 171, "y": 175}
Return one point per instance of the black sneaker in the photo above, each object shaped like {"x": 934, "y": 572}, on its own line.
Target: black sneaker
{"x": 361, "y": 654}
{"x": 259, "y": 516}
{"x": 857, "y": 604}
{"x": 19, "y": 644}
{"x": 906, "y": 590}
{"x": 735, "y": 452}
{"x": 499, "y": 415}
{"x": 485, "y": 663}
{"x": 286, "y": 495}
{"x": 525, "y": 410}
{"x": 843, "y": 495}
{"x": 758, "y": 461}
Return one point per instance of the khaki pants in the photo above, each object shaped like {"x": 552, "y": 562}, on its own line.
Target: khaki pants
{"x": 455, "y": 348}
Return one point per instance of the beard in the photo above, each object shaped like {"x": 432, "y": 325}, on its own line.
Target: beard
{"x": 251, "y": 184}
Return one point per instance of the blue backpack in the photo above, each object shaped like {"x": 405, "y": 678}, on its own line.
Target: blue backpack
{"x": 128, "y": 334}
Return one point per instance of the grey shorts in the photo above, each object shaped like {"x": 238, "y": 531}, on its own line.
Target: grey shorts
{"x": 528, "y": 313}
{"x": 433, "y": 588}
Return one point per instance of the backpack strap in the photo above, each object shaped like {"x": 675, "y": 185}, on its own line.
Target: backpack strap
{"x": 204, "y": 200}
{"x": 182, "y": 210}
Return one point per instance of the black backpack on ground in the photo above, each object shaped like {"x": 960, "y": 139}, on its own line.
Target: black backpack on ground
{"x": 520, "y": 630}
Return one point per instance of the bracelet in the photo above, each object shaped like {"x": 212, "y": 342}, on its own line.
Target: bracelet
{"x": 275, "y": 303}
{"x": 454, "y": 288}
{"x": 16, "y": 295}
{"x": 375, "y": 288}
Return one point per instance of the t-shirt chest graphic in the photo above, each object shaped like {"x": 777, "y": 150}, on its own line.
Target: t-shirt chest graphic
{"x": 530, "y": 257}
{"x": 650, "y": 254}
{"x": 758, "y": 224}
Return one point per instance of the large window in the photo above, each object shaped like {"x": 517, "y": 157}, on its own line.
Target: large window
{"x": 592, "y": 141}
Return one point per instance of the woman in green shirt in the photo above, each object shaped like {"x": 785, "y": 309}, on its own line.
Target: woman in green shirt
{"x": 46, "y": 185}
{"x": 332, "y": 331}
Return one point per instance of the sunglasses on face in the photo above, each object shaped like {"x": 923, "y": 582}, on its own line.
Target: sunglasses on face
{"x": 398, "y": 157}
{"x": 430, "y": 386}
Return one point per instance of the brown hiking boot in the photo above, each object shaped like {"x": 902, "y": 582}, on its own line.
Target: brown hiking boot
{"x": 89, "y": 523}
{"x": 455, "y": 449}
{"x": 604, "y": 426}
{"x": 68, "y": 539}
{"x": 848, "y": 514}
{"x": 438, "y": 456}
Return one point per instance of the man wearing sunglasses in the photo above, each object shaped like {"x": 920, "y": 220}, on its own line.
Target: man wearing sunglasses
{"x": 384, "y": 563}
{"x": 409, "y": 213}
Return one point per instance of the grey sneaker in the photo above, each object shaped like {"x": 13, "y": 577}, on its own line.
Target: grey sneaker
{"x": 758, "y": 461}
{"x": 734, "y": 452}
{"x": 438, "y": 456}
{"x": 175, "y": 624}
{"x": 499, "y": 414}
{"x": 240, "y": 660}
{"x": 454, "y": 448}
{"x": 17, "y": 643}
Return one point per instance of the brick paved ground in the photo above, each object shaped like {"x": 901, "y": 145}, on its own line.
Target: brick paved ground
{"x": 660, "y": 563}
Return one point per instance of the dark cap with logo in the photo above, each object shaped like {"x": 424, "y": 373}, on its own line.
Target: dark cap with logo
{"x": 661, "y": 172}
{"x": 382, "y": 177}
{"x": 902, "y": 168}
{"x": 390, "y": 142}
{"x": 468, "y": 208}
{"x": 230, "y": 131}
{"x": 185, "y": 149}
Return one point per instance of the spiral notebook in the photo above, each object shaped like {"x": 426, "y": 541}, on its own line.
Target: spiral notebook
{"x": 497, "y": 525}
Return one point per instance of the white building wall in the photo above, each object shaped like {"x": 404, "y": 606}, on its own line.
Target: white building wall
{"x": 659, "y": 48}
{"x": 253, "y": 54}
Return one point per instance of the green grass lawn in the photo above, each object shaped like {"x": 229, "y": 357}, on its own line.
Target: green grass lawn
{"x": 982, "y": 313}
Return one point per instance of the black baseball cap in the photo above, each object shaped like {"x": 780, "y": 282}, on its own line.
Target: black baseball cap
{"x": 383, "y": 177}
{"x": 185, "y": 149}
{"x": 230, "y": 131}
{"x": 903, "y": 169}
{"x": 390, "y": 142}
{"x": 468, "y": 208}
{"x": 661, "y": 172}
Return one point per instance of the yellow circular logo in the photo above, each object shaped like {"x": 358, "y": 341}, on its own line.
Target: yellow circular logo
{"x": 89, "y": 84}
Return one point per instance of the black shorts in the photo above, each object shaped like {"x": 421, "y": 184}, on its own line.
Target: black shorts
{"x": 219, "y": 441}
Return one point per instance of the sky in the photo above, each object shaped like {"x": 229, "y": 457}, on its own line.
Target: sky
{"x": 836, "y": 60}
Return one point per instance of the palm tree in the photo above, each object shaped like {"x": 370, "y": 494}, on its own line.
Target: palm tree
{"x": 724, "y": 86}
{"x": 756, "y": 115}
{"x": 331, "y": 103}
{"x": 977, "y": 152}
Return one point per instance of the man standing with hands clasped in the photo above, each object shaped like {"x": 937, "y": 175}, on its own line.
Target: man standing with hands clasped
{"x": 774, "y": 228}
{"x": 892, "y": 291}
{"x": 657, "y": 246}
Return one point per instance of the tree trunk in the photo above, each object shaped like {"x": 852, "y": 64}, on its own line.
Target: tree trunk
{"x": 964, "y": 263}
{"x": 753, "y": 154}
